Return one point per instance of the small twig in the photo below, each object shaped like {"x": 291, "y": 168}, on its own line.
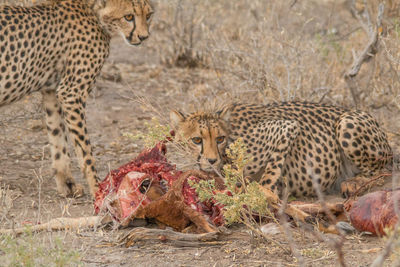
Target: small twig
{"x": 344, "y": 36}
{"x": 337, "y": 244}
{"x": 249, "y": 225}
{"x": 362, "y": 187}
{"x": 288, "y": 233}
{"x": 293, "y": 3}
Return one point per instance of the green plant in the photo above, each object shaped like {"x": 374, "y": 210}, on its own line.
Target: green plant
{"x": 241, "y": 205}
{"x": 154, "y": 133}
{"x": 396, "y": 27}
{"x": 28, "y": 250}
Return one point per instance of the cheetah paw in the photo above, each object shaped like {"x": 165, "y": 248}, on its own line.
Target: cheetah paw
{"x": 77, "y": 191}
{"x": 357, "y": 185}
{"x": 71, "y": 190}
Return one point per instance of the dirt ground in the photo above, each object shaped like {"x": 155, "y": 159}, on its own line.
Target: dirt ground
{"x": 134, "y": 87}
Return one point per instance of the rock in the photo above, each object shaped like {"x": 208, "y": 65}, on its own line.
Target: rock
{"x": 270, "y": 229}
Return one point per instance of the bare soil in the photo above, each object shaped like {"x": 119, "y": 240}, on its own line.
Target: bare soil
{"x": 116, "y": 107}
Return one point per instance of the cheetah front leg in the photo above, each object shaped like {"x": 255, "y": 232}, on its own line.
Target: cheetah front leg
{"x": 73, "y": 102}
{"x": 280, "y": 136}
{"x": 66, "y": 185}
{"x": 279, "y": 140}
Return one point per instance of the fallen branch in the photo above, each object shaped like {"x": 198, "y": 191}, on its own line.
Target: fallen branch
{"x": 369, "y": 51}
{"x": 171, "y": 237}
{"x": 58, "y": 224}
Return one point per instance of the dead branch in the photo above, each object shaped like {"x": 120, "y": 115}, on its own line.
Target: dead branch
{"x": 57, "y": 224}
{"x": 171, "y": 237}
{"x": 369, "y": 51}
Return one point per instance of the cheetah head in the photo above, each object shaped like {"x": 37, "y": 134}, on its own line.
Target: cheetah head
{"x": 206, "y": 135}
{"x": 130, "y": 18}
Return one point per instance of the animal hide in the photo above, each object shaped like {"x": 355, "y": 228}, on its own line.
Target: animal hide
{"x": 151, "y": 187}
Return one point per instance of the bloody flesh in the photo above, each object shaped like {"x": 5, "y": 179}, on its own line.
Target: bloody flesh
{"x": 375, "y": 211}
{"x": 120, "y": 195}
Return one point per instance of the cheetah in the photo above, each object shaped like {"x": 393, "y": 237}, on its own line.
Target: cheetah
{"x": 58, "y": 48}
{"x": 291, "y": 144}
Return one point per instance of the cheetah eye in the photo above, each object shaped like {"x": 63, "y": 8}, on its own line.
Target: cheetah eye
{"x": 197, "y": 140}
{"x": 220, "y": 139}
{"x": 129, "y": 17}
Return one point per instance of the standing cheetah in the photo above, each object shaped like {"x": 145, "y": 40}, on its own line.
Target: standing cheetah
{"x": 290, "y": 143}
{"x": 59, "y": 48}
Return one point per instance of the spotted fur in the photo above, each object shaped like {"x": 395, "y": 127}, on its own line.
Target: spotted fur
{"x": 59, "y": 48}
{"x": 290, "y": 144}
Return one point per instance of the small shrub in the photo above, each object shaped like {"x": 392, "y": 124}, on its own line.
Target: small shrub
{"x": 243, "y": 204}
{"x": 154, "y": 133}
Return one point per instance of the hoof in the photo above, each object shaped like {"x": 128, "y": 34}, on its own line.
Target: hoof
{"x": 345, "y": 228}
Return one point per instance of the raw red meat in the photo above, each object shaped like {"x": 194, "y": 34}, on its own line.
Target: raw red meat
{"x": 151, "y": 164}
{"x": 375, "y": 211}
{"x": 120, "y": 192}
{"x": 171, "y": 208}
{"x": 209, "y": 208}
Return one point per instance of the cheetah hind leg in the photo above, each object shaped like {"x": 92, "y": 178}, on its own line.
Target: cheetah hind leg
{"x": 365, "y": 147}
{"x": 66, "y": 185}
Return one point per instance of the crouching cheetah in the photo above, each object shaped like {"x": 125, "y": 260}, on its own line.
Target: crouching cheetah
{"x": 59, "y": 48}
{"x": 291, "y": 144}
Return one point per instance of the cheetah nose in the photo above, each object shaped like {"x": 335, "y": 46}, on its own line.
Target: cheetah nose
{"x": 212, "y": 161}
{"x": 143, "y": 37}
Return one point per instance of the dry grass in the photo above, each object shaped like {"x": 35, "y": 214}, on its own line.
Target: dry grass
{"x": 284, "y": 51}
{"x": 275, "y": 51}
{"x": 6, "y": 201}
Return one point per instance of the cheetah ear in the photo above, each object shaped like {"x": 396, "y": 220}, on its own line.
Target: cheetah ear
{"x": 176, "y": 117}
{"x": 102, "y": 2}
{"x": 224, "y": 113}
{"x": 97, "y": 4}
